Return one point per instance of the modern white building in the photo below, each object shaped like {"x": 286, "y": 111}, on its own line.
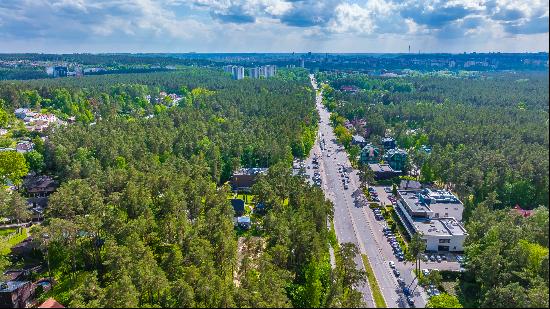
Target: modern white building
{"x": 237, "y": 72}
{"x": 435, "y": 215}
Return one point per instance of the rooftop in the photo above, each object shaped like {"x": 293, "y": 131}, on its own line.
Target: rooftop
{"x": 250, "y": 171}
{"x": 358, "y": 139}
{"x": 430, "y": 203}
{"x": 377, "y": 167}
{"x": 10, "y": 286}
{"x": 439, "y": 227}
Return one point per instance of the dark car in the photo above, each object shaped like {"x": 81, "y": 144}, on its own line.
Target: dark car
{"x": 410, "y": 301}
{"x": 396, "y": 272}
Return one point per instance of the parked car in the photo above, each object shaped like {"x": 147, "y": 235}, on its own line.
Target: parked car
{"x": 400, "y": 257}
{"x": 401, "y": 282}
{"x": 392, "y": 264}
{"x": 396, "y": 272}
{"x": 432, "y": 258}
{"x": 387, "y": 189}
{"x": 443, "y": 257}
{"x": 425, "y": 272}
{"x": 406, "y": 291}
{"x": 410, "y": 301}
{"x": 438, "y": 258}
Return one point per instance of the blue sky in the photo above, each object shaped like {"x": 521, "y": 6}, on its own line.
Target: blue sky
{"x": 55, "y": 26}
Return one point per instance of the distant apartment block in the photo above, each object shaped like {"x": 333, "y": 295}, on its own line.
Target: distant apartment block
{"x": 237, "y": 72}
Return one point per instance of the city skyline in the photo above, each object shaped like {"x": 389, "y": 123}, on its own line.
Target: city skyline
{"x": 203, "y": 26}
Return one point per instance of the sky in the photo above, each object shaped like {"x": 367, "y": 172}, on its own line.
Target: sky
{"x": 354, "y": 26}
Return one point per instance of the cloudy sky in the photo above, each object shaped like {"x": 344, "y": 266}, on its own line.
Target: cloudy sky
{"x": 273, "y": 25}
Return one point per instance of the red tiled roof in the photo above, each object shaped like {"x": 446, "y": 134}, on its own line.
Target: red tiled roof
{"x": 51, "y": 303}
{"x": 523, "y": 212}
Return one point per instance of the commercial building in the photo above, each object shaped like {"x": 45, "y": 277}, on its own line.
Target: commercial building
{"x": 435, "y": 215}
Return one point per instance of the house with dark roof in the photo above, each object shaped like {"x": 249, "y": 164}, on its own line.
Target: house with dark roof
{"x": 389, "y": 143}
{"x": 370, "y": 154}
{"x": 39, "y": 186}
{"x": 243, "y": 179}
{"x": 238, "y": 206}
{"x": 358, "y": 140}
{"x": 15, "y": 294}
{"x": 383, "y": 171}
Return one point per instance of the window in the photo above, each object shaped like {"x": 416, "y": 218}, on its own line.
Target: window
{"x": 444, "y": 241}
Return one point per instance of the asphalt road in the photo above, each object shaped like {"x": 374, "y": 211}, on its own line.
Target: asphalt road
{"x": 355, "y": 223}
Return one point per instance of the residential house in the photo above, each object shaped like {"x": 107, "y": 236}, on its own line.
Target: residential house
{"x": 245, "y": 178}
{"x": 383, "y": 171}
{"x": 24, "y": 146}
{"x": 396, "y": 158}
{"x": 238, "y": 206}
{"x": 15, "y": 294}
{"x": 370, "y": 154}
{"x": 51, "y": 303}
{"x": 388, "y": 143}
{"x": 244, "y": 222}
{"x": 358, "y": 140}
{"x": 39, "y": 186}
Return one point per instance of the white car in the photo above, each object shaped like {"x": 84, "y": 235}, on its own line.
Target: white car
{"x": 392, "y": 264}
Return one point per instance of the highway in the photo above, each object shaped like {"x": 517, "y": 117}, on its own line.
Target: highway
{"x": 355, "y": 223}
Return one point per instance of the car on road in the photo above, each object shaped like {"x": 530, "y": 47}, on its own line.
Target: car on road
{"x": 396, "y": 272}
{"x": 401, "y": 282}
{"x": 392, "y": 264}
{"x": 410, "y": 301}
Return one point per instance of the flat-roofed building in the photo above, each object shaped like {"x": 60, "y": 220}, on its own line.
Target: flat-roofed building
{"x": 434, "y": 214}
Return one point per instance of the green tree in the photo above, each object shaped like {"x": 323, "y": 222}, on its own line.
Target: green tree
{"x": 13, "y": 166}
{"x": 35, "y": 161}
{"x": 443, "y": 300}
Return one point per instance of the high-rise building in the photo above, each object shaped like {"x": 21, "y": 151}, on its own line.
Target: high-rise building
{"x": 254, "y": 72}
{"x": 59, "y": 71}
{"x": 238, "y": 72}
{"x": 268, "y": 71}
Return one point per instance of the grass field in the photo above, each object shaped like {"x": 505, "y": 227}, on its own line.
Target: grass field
{"x": 14, "y": 240}
{"x": 375, "y": 288}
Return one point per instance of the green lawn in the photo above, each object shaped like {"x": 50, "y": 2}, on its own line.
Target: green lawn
{"x": 14, "y": 240}
{"x": 374, "y": 287}
{"x": 5, "y": 232}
